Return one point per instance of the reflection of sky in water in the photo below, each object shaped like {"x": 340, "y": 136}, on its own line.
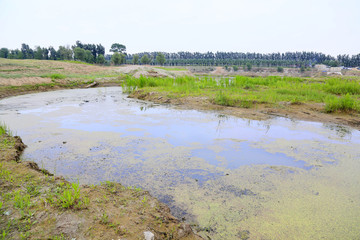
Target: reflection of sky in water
{"x": 243, "y": 154}
{"x": 182, "y": 127}
{"x": 107, "y": 110}
{"x": 186, "y": 158}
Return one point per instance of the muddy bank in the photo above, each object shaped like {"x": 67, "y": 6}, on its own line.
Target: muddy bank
{"x": 36, "y": 205}
{"x": 301, "y": 111}
{"x": 11, "y": 91}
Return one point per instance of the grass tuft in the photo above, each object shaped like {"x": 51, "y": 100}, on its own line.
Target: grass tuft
{"x": 341, "y": 104}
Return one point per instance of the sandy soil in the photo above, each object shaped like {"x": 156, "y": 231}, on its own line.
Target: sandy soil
{"x": 151, "y": 71}
{"x": 23, "y": 81}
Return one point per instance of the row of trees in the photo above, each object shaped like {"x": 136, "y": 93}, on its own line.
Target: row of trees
{"x": 90, "y": 53}
{"x": 289, "y": 59}
{"x": 95, "y": 53}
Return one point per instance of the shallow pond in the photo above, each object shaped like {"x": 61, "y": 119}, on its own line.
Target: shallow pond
{"x": 231, "y": 177}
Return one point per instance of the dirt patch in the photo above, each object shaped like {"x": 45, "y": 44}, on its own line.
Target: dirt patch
{"x": 151, "y": 71}
{"x": 304, "y": 111}
{"x": 23, "y": 81}
{"x": 18, "y": 66}
{"x": 32, "y": 206}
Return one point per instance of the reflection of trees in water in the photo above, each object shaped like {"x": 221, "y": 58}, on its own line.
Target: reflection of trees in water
{"x": 222, "y": 118}
{"x": 341, "y": 131}
{"x": 145, "y": 107}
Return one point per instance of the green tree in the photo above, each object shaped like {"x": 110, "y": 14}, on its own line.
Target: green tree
{"x": 117, "y": 47}
{"x": 118, "y": 58}
{"x": 135, "y": 59}
{"x": 64, "y": 53}
{"x": 100, "y": 59}
{"x": 52, "y": 53}
{"x": 45, "y": 53}
{"x": 89, "y": 57}
{"x": 160, "y": 58}
{"x": 4, "y": 52}
{"x": 79, "y": 54}
{"x": 280, "y": 69}
{"x": 145, "y": 59}
{"x": 235, "y": 68}
{"x": 38, "y": 53}
{"x": 249, "y": 66}
{"x": 27, "y": 52}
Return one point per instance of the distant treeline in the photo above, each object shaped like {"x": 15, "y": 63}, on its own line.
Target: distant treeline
{"x": 289, "y": 59}
{"x": 90, "y": 53}
{"x": 95, "y": 53}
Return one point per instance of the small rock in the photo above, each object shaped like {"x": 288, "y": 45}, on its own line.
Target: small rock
{"x": 149, "y": 235}
{"x": 7, "y": 213}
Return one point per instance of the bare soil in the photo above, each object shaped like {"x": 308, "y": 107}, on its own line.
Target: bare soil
{"x": 151, "y": 71}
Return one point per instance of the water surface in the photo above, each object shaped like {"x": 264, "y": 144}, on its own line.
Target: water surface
{"x": 229, "y": 176}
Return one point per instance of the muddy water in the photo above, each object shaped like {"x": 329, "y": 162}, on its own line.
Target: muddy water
{"x": 233, "y": 178}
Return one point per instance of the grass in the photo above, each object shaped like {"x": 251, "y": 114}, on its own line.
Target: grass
{"x": 341, "y": 104}
{"x": 171, "y": 68}
{"x": 70, "y": 197}
{"x": 21, "y": 200}
{"x": 54, "y": 76}
{"x": 339, "y": 95}
{"x": 76, "y": 62}
{"x": 4, "y": 129}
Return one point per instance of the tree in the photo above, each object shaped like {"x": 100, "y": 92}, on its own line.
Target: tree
{"x": 100, "y": 59}
{"x": 145, "y": 59}
{"x": 117, "y": 47}
{"x": 89, "y": 57}
{"x": 64, "y": 53}
{"x": 4, "y": 52}
{"x": 52, "y": 53}
{"x": 45, "y": 53}
{"x": 79, "y": 54}
{"x": 118, "y": 58}
{"x": 100, "y": 50}
{"x": 38, "y": 53}
{"x": 135, "y": 59}
{"x": 160, "y": 58}
{"x": 249, "y": 66}
{"x": 27, "y": 52}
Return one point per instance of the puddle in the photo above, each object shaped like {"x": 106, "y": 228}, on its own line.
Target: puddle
{"x": 224, "y": 174}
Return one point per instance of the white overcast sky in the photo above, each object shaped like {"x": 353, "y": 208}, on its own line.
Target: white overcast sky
{"x": 264, "y": 26}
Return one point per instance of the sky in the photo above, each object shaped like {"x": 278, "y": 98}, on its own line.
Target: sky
{"x": 262, "y": 26}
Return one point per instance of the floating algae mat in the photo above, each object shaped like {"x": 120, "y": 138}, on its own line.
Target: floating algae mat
{"x": 232, "y": 178}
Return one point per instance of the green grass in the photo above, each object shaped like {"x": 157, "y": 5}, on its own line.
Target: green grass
{"x": 54, "y": 76}
{"x": 171, "y": 69}
{"x": 70, "y": 197}
{"x": 341, "y": 104}
{"x": 77, "y": 62}
{"x": 4, "y": 129}
{"x": 339, "y": 95}
{"x": 21, "y": 200}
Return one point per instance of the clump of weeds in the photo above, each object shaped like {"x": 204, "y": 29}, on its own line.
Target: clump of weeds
{"x": 69, "y": 196}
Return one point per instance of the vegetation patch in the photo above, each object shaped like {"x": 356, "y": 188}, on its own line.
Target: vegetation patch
{"x": 338, "y": 94}
{"x": 172, "y": 68}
